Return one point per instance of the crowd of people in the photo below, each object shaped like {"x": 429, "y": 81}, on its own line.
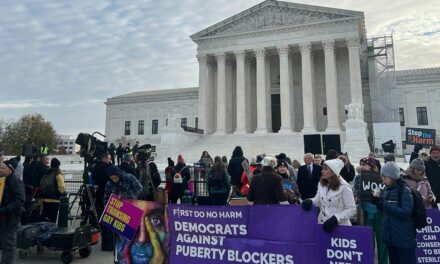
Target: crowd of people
{"x": 333, "y": 185}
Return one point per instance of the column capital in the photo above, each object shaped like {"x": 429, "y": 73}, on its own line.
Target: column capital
{"x": 260, "y": 53}
{"x": 240, "y": 54}
{"x": 220, "y": 57}
{"x": 283, "y": 50}
{"x": 329, "y": 45}
{"x": 305, "y": 47}
{"x": 202, "y": 58}
{"x": 353, "y": 43}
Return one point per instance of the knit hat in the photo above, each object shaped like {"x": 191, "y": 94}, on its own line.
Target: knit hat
{"x": 55, "y": 163}
{"x": 281, "y": 156}
{"x": 269, "y": 161}
{"x": 417, "y": 164}
{"x": 282, "y": 163}
{"x": 369, "y": 161}
{"x": 435, "y": 147}
{"x": 126, "y": 157}
{"x": 11, "y": 163}
{"x": 389, "y": 157}
{"x": 170, "y": 162}
{"x": 113, "y": 170}
{"x": 335, "y": 165}
{"x": 390, "y": 169}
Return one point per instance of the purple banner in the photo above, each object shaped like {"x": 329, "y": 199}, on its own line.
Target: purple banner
{"x": 121, "y": 217}
{"x": 428, "y": 239}
{"x": 262, "y": 234}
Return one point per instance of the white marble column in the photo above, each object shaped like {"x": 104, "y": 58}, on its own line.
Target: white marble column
{"x": 202, "y": 59}
{"x": 261, "y": 92}
{"x": 307, "y": 89}
{"x": 285, "y": 90}
{"x": 331, "y": 87}
{"x": 210, "y": 99}
{"x": 355, "y": 70}
{"x": 221, "y": 93}
{"x": 241, "y": 92}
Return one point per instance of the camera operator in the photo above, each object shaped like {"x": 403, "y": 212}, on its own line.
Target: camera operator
{"x": 126, "y": 166}
{"x": 99, "y": 176}
{"x": 147, "y": 174}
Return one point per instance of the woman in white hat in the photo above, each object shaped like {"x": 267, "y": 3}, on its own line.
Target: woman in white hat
{"x": 334, "y": 197}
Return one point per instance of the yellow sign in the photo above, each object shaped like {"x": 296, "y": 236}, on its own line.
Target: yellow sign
{"x": 2, "y": 187}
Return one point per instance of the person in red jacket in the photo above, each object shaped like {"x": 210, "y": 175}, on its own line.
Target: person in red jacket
{"x": 245, "y": 179}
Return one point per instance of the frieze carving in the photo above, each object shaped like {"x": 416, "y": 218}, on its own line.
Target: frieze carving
{"x": 272, "y": 17}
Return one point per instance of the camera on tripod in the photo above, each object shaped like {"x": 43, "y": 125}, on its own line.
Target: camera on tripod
{"x": 91, "y": 147}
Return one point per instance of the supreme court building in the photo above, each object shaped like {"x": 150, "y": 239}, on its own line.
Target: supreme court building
{"x": 278, "y": 71}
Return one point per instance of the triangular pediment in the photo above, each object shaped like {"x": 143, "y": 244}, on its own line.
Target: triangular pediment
{"x": 275, "y": 14}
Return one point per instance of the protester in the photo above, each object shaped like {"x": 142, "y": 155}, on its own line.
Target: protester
{"x": 206, "y": 159}
{"x": 169, "y": 174}
{"x": 331, "y": 154}
{"x": 267, "y": 187}
{"x": 416, "y": 179}
{"x": 122, "y": 184}
{"x": 245, "y": 179}
{"x": 119, "y": 153}
{"x": 219, "y": 183}
{"x": 376, "y": 161}
{"x": 126, "y": 166}
{"x": 334, "y": 197}
{"x": 100, "y": 178}
{"x": 10, "y": 210}
{"x": 432, "y": 168}
{"x": 347, "y": 171}
{"x": 317, "y": 160}
{"x": 308, "y": 177}
{"x": 397, "y": 230}
{"x": 290, "y": 186}
{"x": 225, "y": 161}
{"x": 111, "y": 151}
{"x": 180, "y": 180}
{"x": 52, "y": 186}
{"x": 368, "y": 214}
{"x": 283, "y": 157}
{"x": 235, "y": 169}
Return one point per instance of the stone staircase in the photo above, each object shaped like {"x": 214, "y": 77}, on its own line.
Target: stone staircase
{"x": 252, "y": 144}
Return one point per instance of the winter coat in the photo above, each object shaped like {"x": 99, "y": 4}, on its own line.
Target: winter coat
{"x": 397, "y": 225}
{"x": 13, "y": 200}
{"x": 348, "y": 173}
{"x": 179, "y": 188}
{"x": 432, "y": 171}
{"x": 226, "y": 182}
{"x": 339, "y": 203}
{"x": 266, "y": 188}
{"x": 128, "y": 187}
{"x": 127, "y": 168}
{"x": 308, "y": 185}
{"x": 235, "y": 169}
{"x": 58, "y": 185}
{"x": 245, "y": 180}
{"x": 290, "y": 188}
{"x": 422, "y": 186}
{"x": 99, "y": 175}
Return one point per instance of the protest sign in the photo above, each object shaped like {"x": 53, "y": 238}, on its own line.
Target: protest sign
{"x": 370, "y": 181}
{"x": 421, "y": 136}
{"x": 428, "y": 239}
{"x": 121, "y": 217}
{"x": 262, "y": 234}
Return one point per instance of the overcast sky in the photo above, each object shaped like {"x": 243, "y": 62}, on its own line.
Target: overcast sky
{"x": 64, "y": 58}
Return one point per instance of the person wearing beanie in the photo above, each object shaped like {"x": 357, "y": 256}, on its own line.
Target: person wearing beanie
{"x": 334, "y": 197}
{"x": 123, "y": 184}
{"x": 126, "y": 166}
{"x": 368, "y": 214}
{"x": 432, "y": 167}
{"x": 397, "y": 230}
{"x": 290, "y": 186}
{"x": 52, "y": 188}
{"x": 416, "y": 179}
{"x": 267, "y": 187}
{"x": 12, "y": 199}
{"x": 181, "y": 177}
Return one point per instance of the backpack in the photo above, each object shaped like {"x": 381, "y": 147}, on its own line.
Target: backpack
{"x": 418, "y": 214}
{"x": 48, "y": 185}
{"x": 217, "y": 180}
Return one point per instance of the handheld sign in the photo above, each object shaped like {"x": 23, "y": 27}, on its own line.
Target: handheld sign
{"x": 422, "y": 136}
{"x": 121, "y": 217}
{"x": 370, "y": 181}
{"x": 246, "y": 168}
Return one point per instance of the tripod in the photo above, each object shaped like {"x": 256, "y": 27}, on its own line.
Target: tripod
{"x": 87, "y": 205}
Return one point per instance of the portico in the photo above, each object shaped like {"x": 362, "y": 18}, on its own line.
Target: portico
{"x": 280, "y": 67}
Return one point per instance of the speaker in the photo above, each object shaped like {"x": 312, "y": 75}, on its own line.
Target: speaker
{"x": 389, "y": 146}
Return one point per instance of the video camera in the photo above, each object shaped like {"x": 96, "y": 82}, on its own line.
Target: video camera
{"x": 144, "y": 152}
{"x": 91, "y": 147}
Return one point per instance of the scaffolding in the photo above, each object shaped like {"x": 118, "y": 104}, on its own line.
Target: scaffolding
{"x": 382, "y": 79}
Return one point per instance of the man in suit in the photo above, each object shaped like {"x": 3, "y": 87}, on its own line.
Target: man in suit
{"x": 308, "y": 177}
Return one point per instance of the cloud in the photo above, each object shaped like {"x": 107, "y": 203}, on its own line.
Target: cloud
{"x": 60, "y": 55}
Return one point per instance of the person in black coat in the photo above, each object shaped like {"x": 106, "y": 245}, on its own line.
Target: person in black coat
{"x": 347, "y": 171}
{"x": 119, "y": 153}
{"x": 126, "y": 166}
{"x": 99, "y": 175}
{"x": 235, "y": 170}
{"x": 180, "y": 185}
{"x": 111, "y": 151}
{"x": 308, "y": 177}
